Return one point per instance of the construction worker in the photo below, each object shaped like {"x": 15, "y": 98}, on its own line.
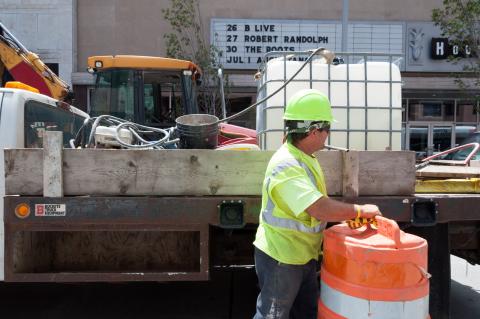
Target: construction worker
{"x": 295, "y": 209}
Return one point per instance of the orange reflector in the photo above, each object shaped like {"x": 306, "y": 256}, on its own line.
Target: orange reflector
{"x": 22, "y": 210}
{"x": 21, "y": 86}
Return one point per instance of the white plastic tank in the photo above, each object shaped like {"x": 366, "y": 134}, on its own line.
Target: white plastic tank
{"x": 366, "y": 102}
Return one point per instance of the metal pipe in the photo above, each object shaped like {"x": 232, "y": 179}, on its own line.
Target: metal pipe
{"x": 336, "y": 148}
{"x": 345, "y": 8}
{"x": 475, "y": 147}
{"x": 222, "y": 93}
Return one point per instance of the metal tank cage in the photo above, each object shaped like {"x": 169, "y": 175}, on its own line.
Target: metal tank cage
{"x": 346, "y": 58}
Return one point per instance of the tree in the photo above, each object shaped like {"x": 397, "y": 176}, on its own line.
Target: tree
{"x": 187, "y": 42}
{"x": 459, "y": 21}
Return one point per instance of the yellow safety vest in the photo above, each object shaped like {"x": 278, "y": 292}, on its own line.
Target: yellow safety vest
{"x": 283, "y": 236}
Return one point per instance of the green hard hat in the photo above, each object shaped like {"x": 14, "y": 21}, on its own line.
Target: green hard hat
{"x": 308, "y": 105}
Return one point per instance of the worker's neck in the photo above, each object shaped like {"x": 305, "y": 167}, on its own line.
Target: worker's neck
{"x": 305, "y": 147}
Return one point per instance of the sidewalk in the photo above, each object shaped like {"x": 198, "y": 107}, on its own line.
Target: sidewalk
{"x": 465, "y": 291}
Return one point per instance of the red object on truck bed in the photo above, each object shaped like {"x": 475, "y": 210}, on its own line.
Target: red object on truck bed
{"x": 232, "y": 134}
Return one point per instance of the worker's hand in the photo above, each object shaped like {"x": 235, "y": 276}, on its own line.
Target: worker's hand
{"x": 369, "y": 211}
{"x": 365, "y": 215}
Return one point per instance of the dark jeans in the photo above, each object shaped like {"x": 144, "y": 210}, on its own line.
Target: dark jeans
{"x": 286, "y": 291}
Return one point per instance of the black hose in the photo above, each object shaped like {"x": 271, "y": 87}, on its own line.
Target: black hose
{"x": 231, "y": 117}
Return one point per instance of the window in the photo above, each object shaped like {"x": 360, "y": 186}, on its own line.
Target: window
{"x": 448, "y": 110}
{"x": 440, "y": 110}
{"x": 90, "y": 93}
{"x": 114, "y": 94}
{"x": 432, "y": 109}
{"x": 443, "y": 123}
{"x": 237, "y": 103}
{"x": 466, "y": 111}
{"x": 162, "y": 98}
{"x": 53, "y": 67}
{"x": 418, "y": 140}
{"x": 441, "y": 138}
{"x": 464, "y": 134}
{"x": 41, "y": 117}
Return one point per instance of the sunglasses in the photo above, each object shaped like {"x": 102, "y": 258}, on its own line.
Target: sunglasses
{"x": 321, "y": 127}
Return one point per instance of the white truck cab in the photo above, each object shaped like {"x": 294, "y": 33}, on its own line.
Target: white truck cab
{"x": 24, "y": 116}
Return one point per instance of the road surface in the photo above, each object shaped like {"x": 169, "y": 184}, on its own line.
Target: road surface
{"x": 229, "y": 295}
{"x": 465, "y": 293}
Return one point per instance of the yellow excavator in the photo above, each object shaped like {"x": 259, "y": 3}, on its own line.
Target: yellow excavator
{"x": 19, "y": 64}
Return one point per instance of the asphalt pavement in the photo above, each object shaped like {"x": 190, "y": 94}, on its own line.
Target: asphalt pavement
{"x": 465, "y": 290}
{"x": 229, "y": 295}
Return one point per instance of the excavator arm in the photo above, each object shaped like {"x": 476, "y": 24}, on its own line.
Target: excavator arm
{"x": 19, "y": 64}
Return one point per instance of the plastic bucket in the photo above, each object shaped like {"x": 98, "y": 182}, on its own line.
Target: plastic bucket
{"x": 198, "y": 131}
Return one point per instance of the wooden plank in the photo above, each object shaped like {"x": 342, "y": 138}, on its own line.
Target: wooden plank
{"x": 195, "y": 172}
{"x": 24, "y": 172}
{"x": 143, "y": 172}
{"x": 386, "y": 173}
{"x": 331, "y": 164}
{"x": 350, "y": 174}
{"x": 170, "y": 172}
{"x": 52, "y": 164}
{"x": 475, "y": 163}
{"x": 440, "y": 171}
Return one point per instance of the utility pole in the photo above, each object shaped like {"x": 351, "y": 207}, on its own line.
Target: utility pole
{"x": 345, "y": 25}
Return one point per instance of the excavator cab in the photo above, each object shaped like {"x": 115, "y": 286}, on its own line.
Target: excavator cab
{"x": 153, "y": 91}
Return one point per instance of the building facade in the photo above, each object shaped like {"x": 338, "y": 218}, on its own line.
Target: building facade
{"x": 46, "y": 27}
{"x": 436, "y": 113}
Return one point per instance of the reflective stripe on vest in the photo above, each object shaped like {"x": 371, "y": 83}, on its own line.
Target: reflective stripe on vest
{"x": 267, "y": 213}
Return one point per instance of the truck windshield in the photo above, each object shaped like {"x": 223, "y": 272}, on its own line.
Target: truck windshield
{"x": 113, "y": 94}
{"x": 41, "y": 117}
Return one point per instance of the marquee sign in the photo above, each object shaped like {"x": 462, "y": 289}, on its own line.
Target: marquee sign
{"x": 243, "y": 42}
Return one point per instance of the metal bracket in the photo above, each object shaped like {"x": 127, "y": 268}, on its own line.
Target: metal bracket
{"x": 424, "y": 212}
{"x": 231, "y": 214}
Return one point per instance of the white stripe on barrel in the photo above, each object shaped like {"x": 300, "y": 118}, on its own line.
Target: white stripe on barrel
{"x": 357, "y": 308}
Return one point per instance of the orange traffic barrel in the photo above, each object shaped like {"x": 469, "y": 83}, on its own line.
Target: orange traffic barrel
{"x": 373, "y": 273}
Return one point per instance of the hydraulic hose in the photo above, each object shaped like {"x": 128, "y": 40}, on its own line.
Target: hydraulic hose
{"x": 137, "y": 131}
